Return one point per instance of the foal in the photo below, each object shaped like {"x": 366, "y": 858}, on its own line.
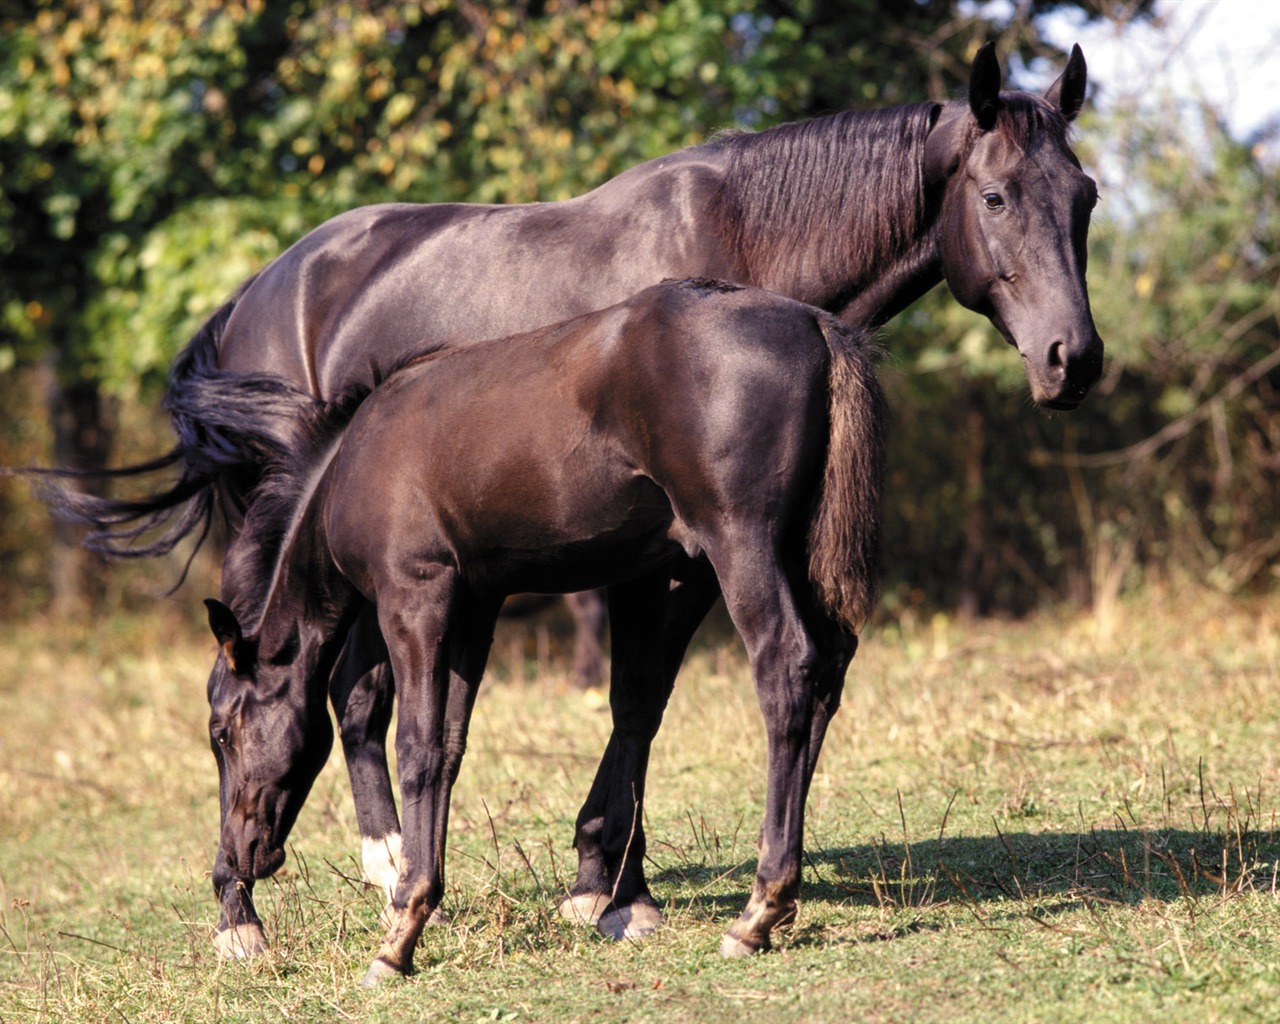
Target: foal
{"x": 713, "y": 434}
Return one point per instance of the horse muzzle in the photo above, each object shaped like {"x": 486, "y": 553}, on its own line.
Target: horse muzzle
{"x": 250, "y": 855}
{"x": 1064, "y": 372}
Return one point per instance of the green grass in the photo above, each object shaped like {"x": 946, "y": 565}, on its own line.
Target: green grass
{"x": 1042, "y": 821}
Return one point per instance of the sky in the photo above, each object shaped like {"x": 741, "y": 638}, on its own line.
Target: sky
{"x": 1226, "y": 51}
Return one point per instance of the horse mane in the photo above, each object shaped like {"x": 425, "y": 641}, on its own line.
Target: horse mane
{"x": 281, "y": 501}
{"x": 818, "y": 209}
{"x": 792, "y": 196}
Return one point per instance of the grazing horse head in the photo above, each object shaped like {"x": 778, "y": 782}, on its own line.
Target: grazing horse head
{"x": 270, "y": 736}
{"x": 1014, "y": 220}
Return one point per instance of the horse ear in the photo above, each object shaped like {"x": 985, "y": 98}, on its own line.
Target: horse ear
{"x": 984, "y": 87}
{"x": 1067, "y": 93}
{"x": 226, "y": 630}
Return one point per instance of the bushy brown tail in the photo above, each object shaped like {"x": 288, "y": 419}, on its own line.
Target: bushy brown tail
{"x": 844, "y": 539}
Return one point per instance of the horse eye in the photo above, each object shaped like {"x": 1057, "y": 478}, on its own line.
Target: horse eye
{"x": 993, "y": 200}
{"x": 221, "y": 736}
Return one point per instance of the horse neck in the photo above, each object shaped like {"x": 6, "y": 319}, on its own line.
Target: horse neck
{"x": 278, "y": 574}
{"x": 834, "y": 211}
{"x": 302, "y": 623}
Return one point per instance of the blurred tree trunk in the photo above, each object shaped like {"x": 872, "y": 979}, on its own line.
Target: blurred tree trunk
{"x": 82, "y": 434}
{"x": 975, "y": 518}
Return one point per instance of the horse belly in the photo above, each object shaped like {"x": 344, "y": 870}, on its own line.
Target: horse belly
{"x": 562, "y": 532}
{"x": 571, "y": 567}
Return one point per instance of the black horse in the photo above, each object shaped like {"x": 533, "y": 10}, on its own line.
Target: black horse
{"x": 700, "y": 432}
{"x": 858, "y": 213}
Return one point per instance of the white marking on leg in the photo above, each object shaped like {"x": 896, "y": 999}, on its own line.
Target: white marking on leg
{"x": 380, "y": 860}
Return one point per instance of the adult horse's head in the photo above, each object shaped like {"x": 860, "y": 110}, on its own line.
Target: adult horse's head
{"x": 270, "y": 737}
{"x": 1014, "y": 221}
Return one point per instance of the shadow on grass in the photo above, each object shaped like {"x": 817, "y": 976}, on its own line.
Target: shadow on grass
{"x": 1102, "y": 866}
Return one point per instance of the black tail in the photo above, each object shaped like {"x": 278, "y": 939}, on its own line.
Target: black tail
{"x": 227, "y": 424}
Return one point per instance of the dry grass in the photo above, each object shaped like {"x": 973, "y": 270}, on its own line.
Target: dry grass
{"x": 1044, "y": 821}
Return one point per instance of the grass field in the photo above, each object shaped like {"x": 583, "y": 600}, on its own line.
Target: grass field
{"x": 1040, "y": 821}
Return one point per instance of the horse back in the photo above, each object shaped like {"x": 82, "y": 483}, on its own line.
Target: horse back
{"x": 484, "y": 458}
{"x": 369, "y": 287}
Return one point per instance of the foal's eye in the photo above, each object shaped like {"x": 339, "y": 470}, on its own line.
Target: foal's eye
{"x": 221, "y": 737}
{"x": 993, "y": 200}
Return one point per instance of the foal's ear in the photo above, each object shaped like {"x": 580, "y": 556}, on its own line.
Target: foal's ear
{"x": 984, "y": 86}
{"x": 226, "y": 630}
{"x": 1067, "y": 93}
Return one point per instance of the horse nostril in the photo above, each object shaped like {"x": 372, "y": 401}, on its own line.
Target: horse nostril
{"x": 1057, "y": 355}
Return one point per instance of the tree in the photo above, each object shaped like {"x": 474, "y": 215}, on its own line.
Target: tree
{"x": 155, "y": 154}
{"x": 1191, "y": 265}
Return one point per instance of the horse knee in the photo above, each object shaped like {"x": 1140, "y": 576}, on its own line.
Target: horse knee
{"x": 421, "y": 771}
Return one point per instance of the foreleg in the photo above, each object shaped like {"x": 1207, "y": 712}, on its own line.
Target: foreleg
{"x": 439, "y": 644}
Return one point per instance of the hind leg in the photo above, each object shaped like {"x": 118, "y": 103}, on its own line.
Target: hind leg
{"x": 588, "y": 609}
{"x": 797, "y": 661}
{"x": 652, "y": 625}
{"x": 362, "y": 692}
{"x": 839, "y": 647}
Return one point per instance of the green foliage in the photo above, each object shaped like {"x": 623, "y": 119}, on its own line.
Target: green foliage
{"x": 153, "y": 156}
{"x": 128, "y": 131}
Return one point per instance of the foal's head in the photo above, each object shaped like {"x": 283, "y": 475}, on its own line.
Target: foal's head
{"x": 1014, "y": 221}
{"x": 270, "y": 733}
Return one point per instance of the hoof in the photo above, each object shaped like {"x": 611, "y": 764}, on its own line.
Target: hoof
{"x": 631, "y": 922}
{"x": 240, "y": 942}
{"x": 585, "y": 909}
{"x": 733, "y": 947}
{"x": 379, "y": 972}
